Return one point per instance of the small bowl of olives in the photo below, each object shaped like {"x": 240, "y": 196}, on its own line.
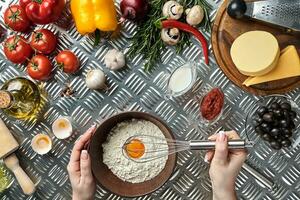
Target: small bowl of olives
{"x": 274, "y": 118}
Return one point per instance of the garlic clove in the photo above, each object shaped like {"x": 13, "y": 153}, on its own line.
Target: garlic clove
{"x": 114, "y": 59}
{"x": 95, "y": 79}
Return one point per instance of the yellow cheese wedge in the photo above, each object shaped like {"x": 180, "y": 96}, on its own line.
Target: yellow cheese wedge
{"x": 255, "y": 53}
{"x": 288, "y": 66}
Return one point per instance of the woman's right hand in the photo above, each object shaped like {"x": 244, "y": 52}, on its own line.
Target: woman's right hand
{"x": 225, "y": 165}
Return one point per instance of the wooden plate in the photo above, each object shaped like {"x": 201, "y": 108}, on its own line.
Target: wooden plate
{"x": 226, "y": 30}
{"x": 104, "y": 175}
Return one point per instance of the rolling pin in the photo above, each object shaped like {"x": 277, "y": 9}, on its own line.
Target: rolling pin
{"x": 8, "y": 145}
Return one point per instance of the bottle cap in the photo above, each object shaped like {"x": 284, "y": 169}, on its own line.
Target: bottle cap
{"x": 5, "y": 99}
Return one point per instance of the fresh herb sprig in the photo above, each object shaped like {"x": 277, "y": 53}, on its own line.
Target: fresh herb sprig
{"x": 147, "y": 41}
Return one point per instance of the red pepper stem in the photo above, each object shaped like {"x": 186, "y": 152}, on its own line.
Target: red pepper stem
{"x": 187, "y": 28}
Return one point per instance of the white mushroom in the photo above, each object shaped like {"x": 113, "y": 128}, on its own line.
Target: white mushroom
{"x": 114, "y": 59}
{"x": 170, "y": 36}
{"x": 194, "y": 15}
{"x": 172, "y": 10}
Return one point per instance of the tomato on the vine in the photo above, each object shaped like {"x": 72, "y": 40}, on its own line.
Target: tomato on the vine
{"x": 68, "y": 61}
{"x": 15, "y": 17}
{"x": 16, "y": 49}
{"x": 39, "y": 67}
{"x": 43, "y": 41}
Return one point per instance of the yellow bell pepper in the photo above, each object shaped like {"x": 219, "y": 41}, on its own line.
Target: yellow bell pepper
{"x": 90, "y": 15}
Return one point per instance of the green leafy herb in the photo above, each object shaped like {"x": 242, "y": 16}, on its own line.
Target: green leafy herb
{"x": 147, "y": 41}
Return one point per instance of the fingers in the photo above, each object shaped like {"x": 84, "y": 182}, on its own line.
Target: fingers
{"x": 221, "y": 151}
{"x": 208, "y": 156}
{"x": 75, "y": 155}
{"x": 233, "y": 135}
{"x": 85, "y": 166}
{"x": 237, "y": 158}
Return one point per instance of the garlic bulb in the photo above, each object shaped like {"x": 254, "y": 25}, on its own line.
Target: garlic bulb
{"x": 95, "y": 79}
{"x": 194, "y": 15}
{"x": 172, "y": 10}
{"x": 170, "y": 36}
{"x": 114, "y": 59}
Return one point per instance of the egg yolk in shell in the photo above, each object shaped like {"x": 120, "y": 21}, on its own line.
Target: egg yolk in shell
{"x": 135, "y": 148}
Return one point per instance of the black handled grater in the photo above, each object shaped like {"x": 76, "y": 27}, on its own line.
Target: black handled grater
{"x": 282, "y": 13}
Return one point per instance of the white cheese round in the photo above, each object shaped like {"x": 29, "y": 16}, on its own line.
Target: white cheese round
{"x": 255, "y": 53}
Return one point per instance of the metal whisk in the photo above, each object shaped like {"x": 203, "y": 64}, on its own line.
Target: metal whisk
{"x": 146, "y": 147}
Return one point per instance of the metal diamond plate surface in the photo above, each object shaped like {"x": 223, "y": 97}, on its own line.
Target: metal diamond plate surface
{"x": 134, "y": 89}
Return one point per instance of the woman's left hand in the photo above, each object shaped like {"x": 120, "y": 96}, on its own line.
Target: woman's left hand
{"x": 80, "y": 170}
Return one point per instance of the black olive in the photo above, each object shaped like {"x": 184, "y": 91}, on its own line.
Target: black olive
{"x": 262, "y": 110}
{"x": 284, "y": 123}
{"x": 286, "y": 113}
{"x": 286, "y": 142}
{"x": 236, "y": 8}
{"x": 293, "y": 114}
{"x": 275, "y": 132}
{"x": 275, "y": 106}
{"x": 257, "y": 120}
{"x": 267, "y": 137}
{"x": 275, "y": 145}
{"x": 287, "y": 132}
{"x": 279, "y": 139}
{"x": 268, "y": 117}
{"x": 292, "y": 124}
{"x": 286, "y": 106}
{"x": 266, "y": 127}
{"x": 275, "y": 123}
{"x": 259, "y": 130}
{"x": 278, "y": 113}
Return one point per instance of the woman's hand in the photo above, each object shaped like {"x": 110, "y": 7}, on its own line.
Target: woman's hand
{"x": 225, "y": 166}
{"x": 80, "y": 171}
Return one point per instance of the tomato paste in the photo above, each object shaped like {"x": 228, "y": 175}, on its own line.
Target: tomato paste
{"x": 212, "y": 104}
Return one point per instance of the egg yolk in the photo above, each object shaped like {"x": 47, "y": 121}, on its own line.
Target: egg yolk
{"x": 42, "y": 142}
{"x": 62, "y": 124}
{"x": 135, "y": 149}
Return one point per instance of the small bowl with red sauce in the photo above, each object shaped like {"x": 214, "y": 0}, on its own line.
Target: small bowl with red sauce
{"x": 211, "y": 106}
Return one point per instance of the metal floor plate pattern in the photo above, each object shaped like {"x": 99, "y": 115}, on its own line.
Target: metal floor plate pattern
{"x": 134, "y": 89}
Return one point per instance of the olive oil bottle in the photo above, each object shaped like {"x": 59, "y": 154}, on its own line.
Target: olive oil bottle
{"x": 22, "y": 99}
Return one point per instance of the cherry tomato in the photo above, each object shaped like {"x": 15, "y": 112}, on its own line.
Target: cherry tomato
{"x": 43, "y": 41}
{"x": 68, "y": 61}
{"x": 16, "y": 49}
{"x": 15, "y": 17}
{"x": 39, "y": 67}
{"x": 43, "y": 11}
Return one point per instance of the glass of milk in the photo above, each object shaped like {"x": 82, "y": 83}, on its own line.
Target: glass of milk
{"x": 182, "y": 79}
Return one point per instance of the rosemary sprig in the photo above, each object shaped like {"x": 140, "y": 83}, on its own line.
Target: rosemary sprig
{"x": 147, "y": 41}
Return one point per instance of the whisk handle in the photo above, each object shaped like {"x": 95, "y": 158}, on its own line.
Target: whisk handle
{"x": 207, "y": 144}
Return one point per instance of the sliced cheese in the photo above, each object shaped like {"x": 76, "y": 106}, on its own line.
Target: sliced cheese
{"x": 288, "y": 66}
{"x": 255, "y": 53}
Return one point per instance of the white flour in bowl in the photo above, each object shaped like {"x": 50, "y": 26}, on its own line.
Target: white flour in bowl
{"x": 122, "y": 167}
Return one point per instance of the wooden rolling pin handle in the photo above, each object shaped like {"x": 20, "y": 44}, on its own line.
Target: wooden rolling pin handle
{"x": 25, "y": 182}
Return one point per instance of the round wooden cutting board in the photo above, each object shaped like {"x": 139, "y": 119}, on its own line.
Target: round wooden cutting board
{"x": 226, "y": 30}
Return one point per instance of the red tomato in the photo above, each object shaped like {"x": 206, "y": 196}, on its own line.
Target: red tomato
{"x": 39, "y": 67}
{"x": 16, "y": 49}
{"x": 16, "y": 18}
{"x": 43, "y": 41}
{"x": 43, "y": 11}
{"x": 68, "y": 61}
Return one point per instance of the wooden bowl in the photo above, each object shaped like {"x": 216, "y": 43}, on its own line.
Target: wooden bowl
{"x": 104, "y": 175}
